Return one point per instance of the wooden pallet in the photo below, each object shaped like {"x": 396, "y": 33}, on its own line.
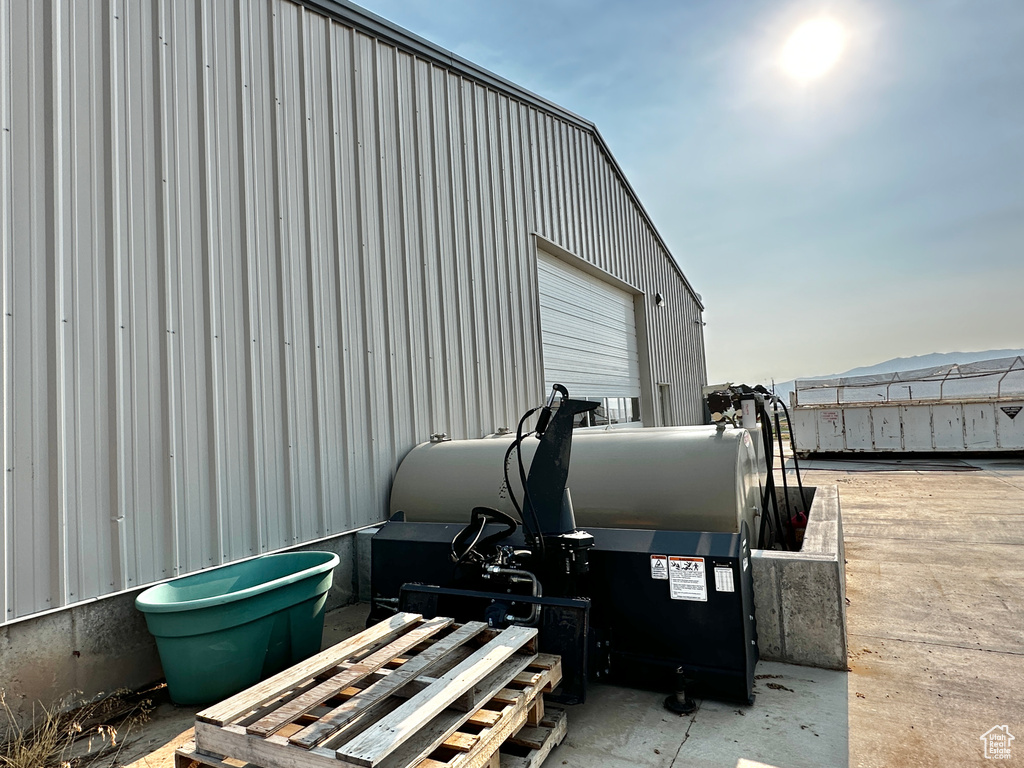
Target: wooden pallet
{"x": 406, "y": 692}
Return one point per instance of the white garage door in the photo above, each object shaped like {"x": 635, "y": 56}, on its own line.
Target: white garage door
{"x": 588, "y": 332}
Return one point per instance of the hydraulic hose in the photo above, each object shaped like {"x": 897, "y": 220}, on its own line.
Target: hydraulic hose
{"x": 792, "y": 443}
{"x": 785, "y": 485}
{"x": 518, "y": 575}
{"x": 771, "y": 497}
{"x": 478, "y": 522}
{"x": 527, "y": 501}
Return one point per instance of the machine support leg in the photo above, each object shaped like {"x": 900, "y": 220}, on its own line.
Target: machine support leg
{"x": 679, "y": 702}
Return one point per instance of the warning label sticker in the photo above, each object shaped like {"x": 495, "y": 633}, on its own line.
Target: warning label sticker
{"x": 1011, "y": 411}
{"x": 659, "y": 567}
{"x": 724, "y": 581}
{"x": 686, "y": 578}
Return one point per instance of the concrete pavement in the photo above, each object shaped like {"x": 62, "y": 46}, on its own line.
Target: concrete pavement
{"x": 935, "y": 580}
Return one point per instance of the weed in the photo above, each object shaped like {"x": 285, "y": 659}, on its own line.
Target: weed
{"x": 70, "y": 733}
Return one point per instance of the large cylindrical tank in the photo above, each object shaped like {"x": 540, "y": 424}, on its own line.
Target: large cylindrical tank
{"x": 672, "y": 478}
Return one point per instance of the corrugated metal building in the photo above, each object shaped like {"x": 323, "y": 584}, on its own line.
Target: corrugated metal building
{"x": 253, "y": 252}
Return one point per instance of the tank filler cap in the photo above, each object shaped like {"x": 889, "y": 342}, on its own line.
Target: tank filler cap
{"x": 440, "y": 437}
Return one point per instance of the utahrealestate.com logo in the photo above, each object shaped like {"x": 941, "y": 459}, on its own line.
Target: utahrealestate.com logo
{"x": 997, "y": 741}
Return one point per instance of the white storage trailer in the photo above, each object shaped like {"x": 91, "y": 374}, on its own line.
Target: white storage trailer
{"x": 975, "y": 407}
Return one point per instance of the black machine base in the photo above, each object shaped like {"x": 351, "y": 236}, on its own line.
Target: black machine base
{"x": 653, "y": 603}
{"x": 563, "y": 625}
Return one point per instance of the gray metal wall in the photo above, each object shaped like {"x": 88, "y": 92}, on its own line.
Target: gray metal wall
{"x": 251, "y": 256}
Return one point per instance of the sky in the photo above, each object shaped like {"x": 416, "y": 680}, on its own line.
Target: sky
{"x": 876, "y": 211}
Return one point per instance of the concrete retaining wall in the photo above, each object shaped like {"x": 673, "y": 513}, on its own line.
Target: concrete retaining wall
{"x": 800, "y": 597}
{"x": 100, "y": 646}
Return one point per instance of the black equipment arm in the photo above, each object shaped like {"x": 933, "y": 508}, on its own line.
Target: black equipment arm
{"x": 545, "y": 485}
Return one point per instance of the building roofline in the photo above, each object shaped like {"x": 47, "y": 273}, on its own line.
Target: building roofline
{"x": 377, "y": 26}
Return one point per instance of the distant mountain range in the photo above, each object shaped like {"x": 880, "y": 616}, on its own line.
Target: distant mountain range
{"x": 907, "y": 364}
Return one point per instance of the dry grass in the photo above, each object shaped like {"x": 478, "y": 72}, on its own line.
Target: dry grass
{"x": 69, "y": 733}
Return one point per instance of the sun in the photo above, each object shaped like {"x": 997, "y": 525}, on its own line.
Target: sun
{"x": 813, "y": 49}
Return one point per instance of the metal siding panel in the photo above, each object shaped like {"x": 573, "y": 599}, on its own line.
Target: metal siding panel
{"x": 607, "y": 219}
{"x": 569, "y": 187}
{"x": 547, "y": 179}
{"x": 560, "y": 176}
{"x": 230, "y": 337}
{"x": 286, "y": 252}
{"x": 429, "y": 303}
{"x": 268, "y": 473}
{"x": 805, "y": 429}
{"x": 588, "y": 225}
{"x": 186, "y": 280}
{"x": 445, "y": 158}
{"x": 462, "y": 253}
{"x": 244, "y": 127}
{"x": 1009, "y": 431}
{"x": 31, "y": 566}
{"x": 630, "y": 246}
{"x": 857, "y": 429}
{"x": 917, "y": 427}
{"x": 579, "y": 198}
{"x": 979, "y": 427}
{"x": 601, "y": 211}
{"x": 415, "y": 332}
{"x": 322, "y": 320}
{"x": 296, "y": 268}
{"x": 358, "y": 461}
{"x": 532, "y": 166}
{"x": 276, "y": 360}
{"x": 142, "y": 432}
{"x": 619, "y": 213}
{"x": 886, "y": 429}
{"x": 504, "y": 200}
{"x": 371, "y": 205}
{"x": 592, "y": 226}
{"x": 494, "y": 300}
{"x": 948, "y": 427}
{"x": 831, "y": 430}
{"x": 91, "y": 501}
{"x": 524, "y": 224}
{"x": 7, "y": 292}
{"x": 210, "y": 413}
{"x": 394, "y": 315}
{"x": 471, "y": 258}
{"x": 487, "y": 291}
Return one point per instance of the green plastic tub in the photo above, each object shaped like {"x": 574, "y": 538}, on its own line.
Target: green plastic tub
{"x": 220, "y": 631}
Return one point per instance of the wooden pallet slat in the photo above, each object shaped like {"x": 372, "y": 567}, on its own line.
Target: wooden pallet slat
{"x": 484, "y": 717}
{"x": 258, "y": 695}
{"x": 535, "y": 714}
{"x": 353, "y": 674}
{"x": 551, "y": 734}
{"x": 271, "y": 752}
{"x": 419, "y": 746}
{"x": 552, "y": 664}
{"x": 461, "y": 742}
{"x": 386, "y": 736}
{"x": 510, "y": 721}
{"x": 351, "y": 709}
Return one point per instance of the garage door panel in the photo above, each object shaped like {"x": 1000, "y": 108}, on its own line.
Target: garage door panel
{"x": 599, "y": 308}
{"x": 598, "y": 329}
{"x": 588, "y": 331}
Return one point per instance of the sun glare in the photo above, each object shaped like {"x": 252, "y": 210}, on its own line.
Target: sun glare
{"x": 813, "y": 49}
